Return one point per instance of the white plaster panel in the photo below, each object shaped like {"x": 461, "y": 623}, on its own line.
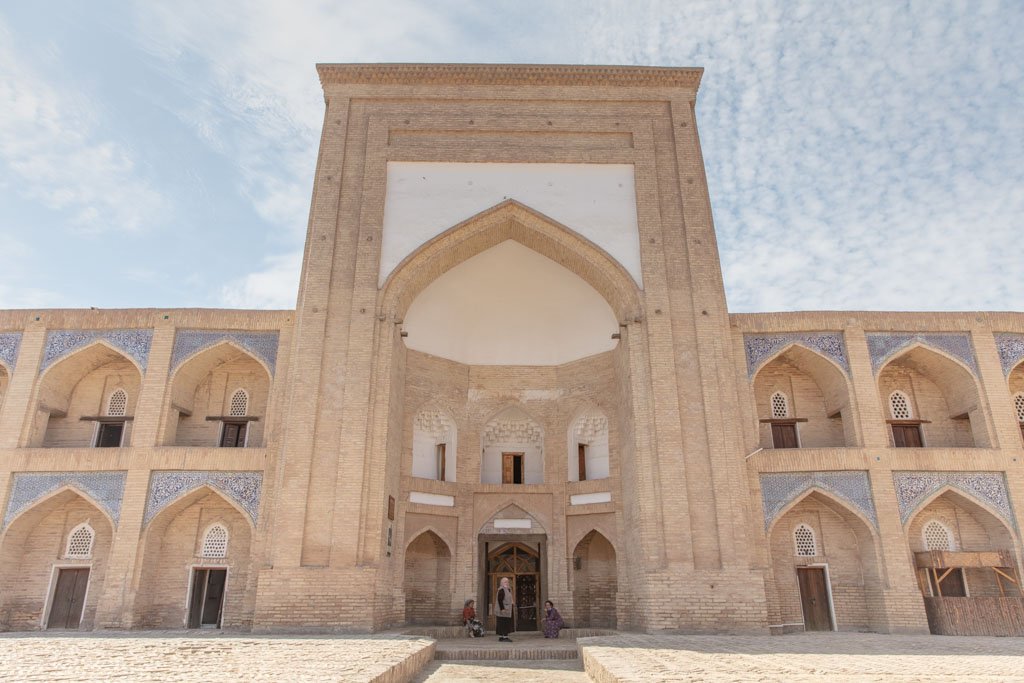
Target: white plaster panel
{"x": 510, "y": 305}
{"x": 590, "y": 498}
{"x": 424, "y": 199}
{"x": 512, "y": 524}
{"x": 431, "y": 499}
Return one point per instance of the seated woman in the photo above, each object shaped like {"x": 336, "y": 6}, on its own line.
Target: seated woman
{"x": 473, "y": 626}
{"x": 553, "y": 622}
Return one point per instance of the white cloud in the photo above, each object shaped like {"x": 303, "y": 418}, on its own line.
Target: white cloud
{"x": 272, "y": 286}
{"x": 53, "y": 154}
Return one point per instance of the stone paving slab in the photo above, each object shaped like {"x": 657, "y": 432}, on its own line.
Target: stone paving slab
{"x": 545, "y": 671}
{"x": 804, "y": 657}
{"x": 208, "y": 658}
{"x": 523, "y": 647}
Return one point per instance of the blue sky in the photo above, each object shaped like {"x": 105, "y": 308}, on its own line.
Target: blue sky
{"x": 859, "y": 155}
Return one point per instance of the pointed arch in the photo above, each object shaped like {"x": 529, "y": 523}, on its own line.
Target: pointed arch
{"x": 174, "y": 506}
{"x": 508, "y": 510}
{"x": 955, "y": 415}
{"x": 967, "y": 499}
{"x": 64, "y": 493}
{"x": 510, "y": 220}
{"x": 197, "y": 365}
{"x": 433, "y": 530}
{"x": 831, "y": 500}
{"x": 426, "y": 579}
{"x": 594, "y": 528}
{"x": 595, "y": 581}
{"x": 816, "y": 386}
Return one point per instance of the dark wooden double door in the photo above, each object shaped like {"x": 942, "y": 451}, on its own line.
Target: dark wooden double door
{"x": 68, "y": 598}
{"x": 814, "y": 598}
{"x": 207, "y": 603}
{"x": 520, "y": 564}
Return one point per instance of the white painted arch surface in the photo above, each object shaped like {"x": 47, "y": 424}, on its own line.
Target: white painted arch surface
{"x": 424, "y": 199}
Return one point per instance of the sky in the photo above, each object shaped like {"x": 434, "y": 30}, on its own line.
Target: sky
{"x": 860, "y": 156}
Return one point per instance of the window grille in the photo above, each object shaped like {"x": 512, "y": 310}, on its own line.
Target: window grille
{"x": 806, "y": 546}
{"x": 117, "y": 403}
{"x": 239, "y": 404}
{"x": 937, "y": 536}
{"x": 780, "y": 405}
{"x": 899, "y": 405}
{"x": 215, "y": 543}
{"x": 80, "y": 542}
{"x": 1018, "y": 403}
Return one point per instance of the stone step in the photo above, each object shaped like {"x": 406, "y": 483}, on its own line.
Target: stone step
{"x": 456, "y": 632}
{"x": 536, "y": 671}
{"x": 522, "y": 647}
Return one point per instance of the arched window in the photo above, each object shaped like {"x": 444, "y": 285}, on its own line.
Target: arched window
{"x": 215, "y": 543}
{"x": 1018, "y": 404}
{"x": 239, "y": 406}
{"x": 80, "y": 542}
{"x": 899, "y": 406}
{"x": 780, "y": 405}
{"x": 937, "y": 536}
{"x": 117, "y": 403}
{"x": 803, "y": 537}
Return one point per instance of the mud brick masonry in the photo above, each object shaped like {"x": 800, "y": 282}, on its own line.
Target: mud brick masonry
{"x": 511, "y": 356}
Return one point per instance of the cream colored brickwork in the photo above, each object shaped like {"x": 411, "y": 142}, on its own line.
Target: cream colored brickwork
{"x": 346, "y": 537}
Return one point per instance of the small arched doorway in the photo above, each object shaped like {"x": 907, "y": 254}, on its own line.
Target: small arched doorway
{"x": 595, "y": 582}
{"x": 521, "y": 565}
{"x": 427, "y": 580}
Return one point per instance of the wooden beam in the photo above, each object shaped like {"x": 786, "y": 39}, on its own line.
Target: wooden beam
{"x": 1006, "y": 576}
{"x": 232, "y": 418}
{"x": 107, "y": 419}
{"x": 783, "y": 420}
{"x": 908, "y": 422}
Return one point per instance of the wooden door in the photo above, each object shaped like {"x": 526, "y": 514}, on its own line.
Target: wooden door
{"x": 207, "y": 602}
{"x": 907, "y": 436}
{"x": 233, "y": 435}
{"x": 814, "y": 599}
{"x": 68, "y": 598}
{"x": 520, "y": 564}
{"x": 511, "y": 468}
{"x": 784, "y": 436}
{"x": 526, "y": 602}
{"x": 583, "y": 461}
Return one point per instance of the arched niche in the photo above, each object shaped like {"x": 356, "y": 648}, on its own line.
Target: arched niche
{"x": 972, "y": 528}
{"x": 202, "y": 389}
{"x": 33, "y": 553}
{"x": 589, "y": 446}
{"x": 595, "y": 583}
{"x": 74, "y": 394}
{"x": 434, "y": 445}
{"x": 1016, "y": 382}
{"x": 172, "y": 552}
{"x": 818, "y": 397}
{"x": 427, "y": 581}
{"x": 944, "y": 399}
{"x": 513, "y": 449}
{"x": 845, "y": 555}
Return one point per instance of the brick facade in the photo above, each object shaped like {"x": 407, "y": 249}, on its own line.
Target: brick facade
{"x": 329, "y": 527}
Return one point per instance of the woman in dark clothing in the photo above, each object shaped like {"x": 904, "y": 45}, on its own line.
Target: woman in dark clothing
{"x": 505, "y": 601}
{"x": 553, "y": 622}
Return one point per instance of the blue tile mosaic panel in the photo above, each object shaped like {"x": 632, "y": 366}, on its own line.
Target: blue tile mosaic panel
{"x": 105, "y": 489}
{"x": 779, "y": 490}
{"x": 913, "y": 488}
{"x": 62, "y": 343}
{"x": 10, "y": 342}
{"x": 187, "y": 343}
{"x": 1011, "y": 350}
{"x": 168, "y": 486}
{"x": 761, "y": 347}
{"x": 884, "y": 345}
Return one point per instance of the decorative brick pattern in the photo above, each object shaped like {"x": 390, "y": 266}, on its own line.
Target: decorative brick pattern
{"x": 761, "y": 347}
{"x": 1011, "y": 350}
{"x": 166, "y": 487}
{"x": 62, "y": 343}
{"x": 884, "y": 345}
{"x": 912, "y": 488}
{"x": 263, "y": 345}
{"x": 10, "y": 342}
{"x": 779, "y": 490}
{"x": 106, "y": 489}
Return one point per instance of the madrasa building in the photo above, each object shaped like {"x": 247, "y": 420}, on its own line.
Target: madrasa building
{"x": 511, "y": 356}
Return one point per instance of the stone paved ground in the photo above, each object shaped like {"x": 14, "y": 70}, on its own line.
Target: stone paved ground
{"x": 805, "y": 657}
{"x": 543, "y": 671}
{"x": 207, "y": 658}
